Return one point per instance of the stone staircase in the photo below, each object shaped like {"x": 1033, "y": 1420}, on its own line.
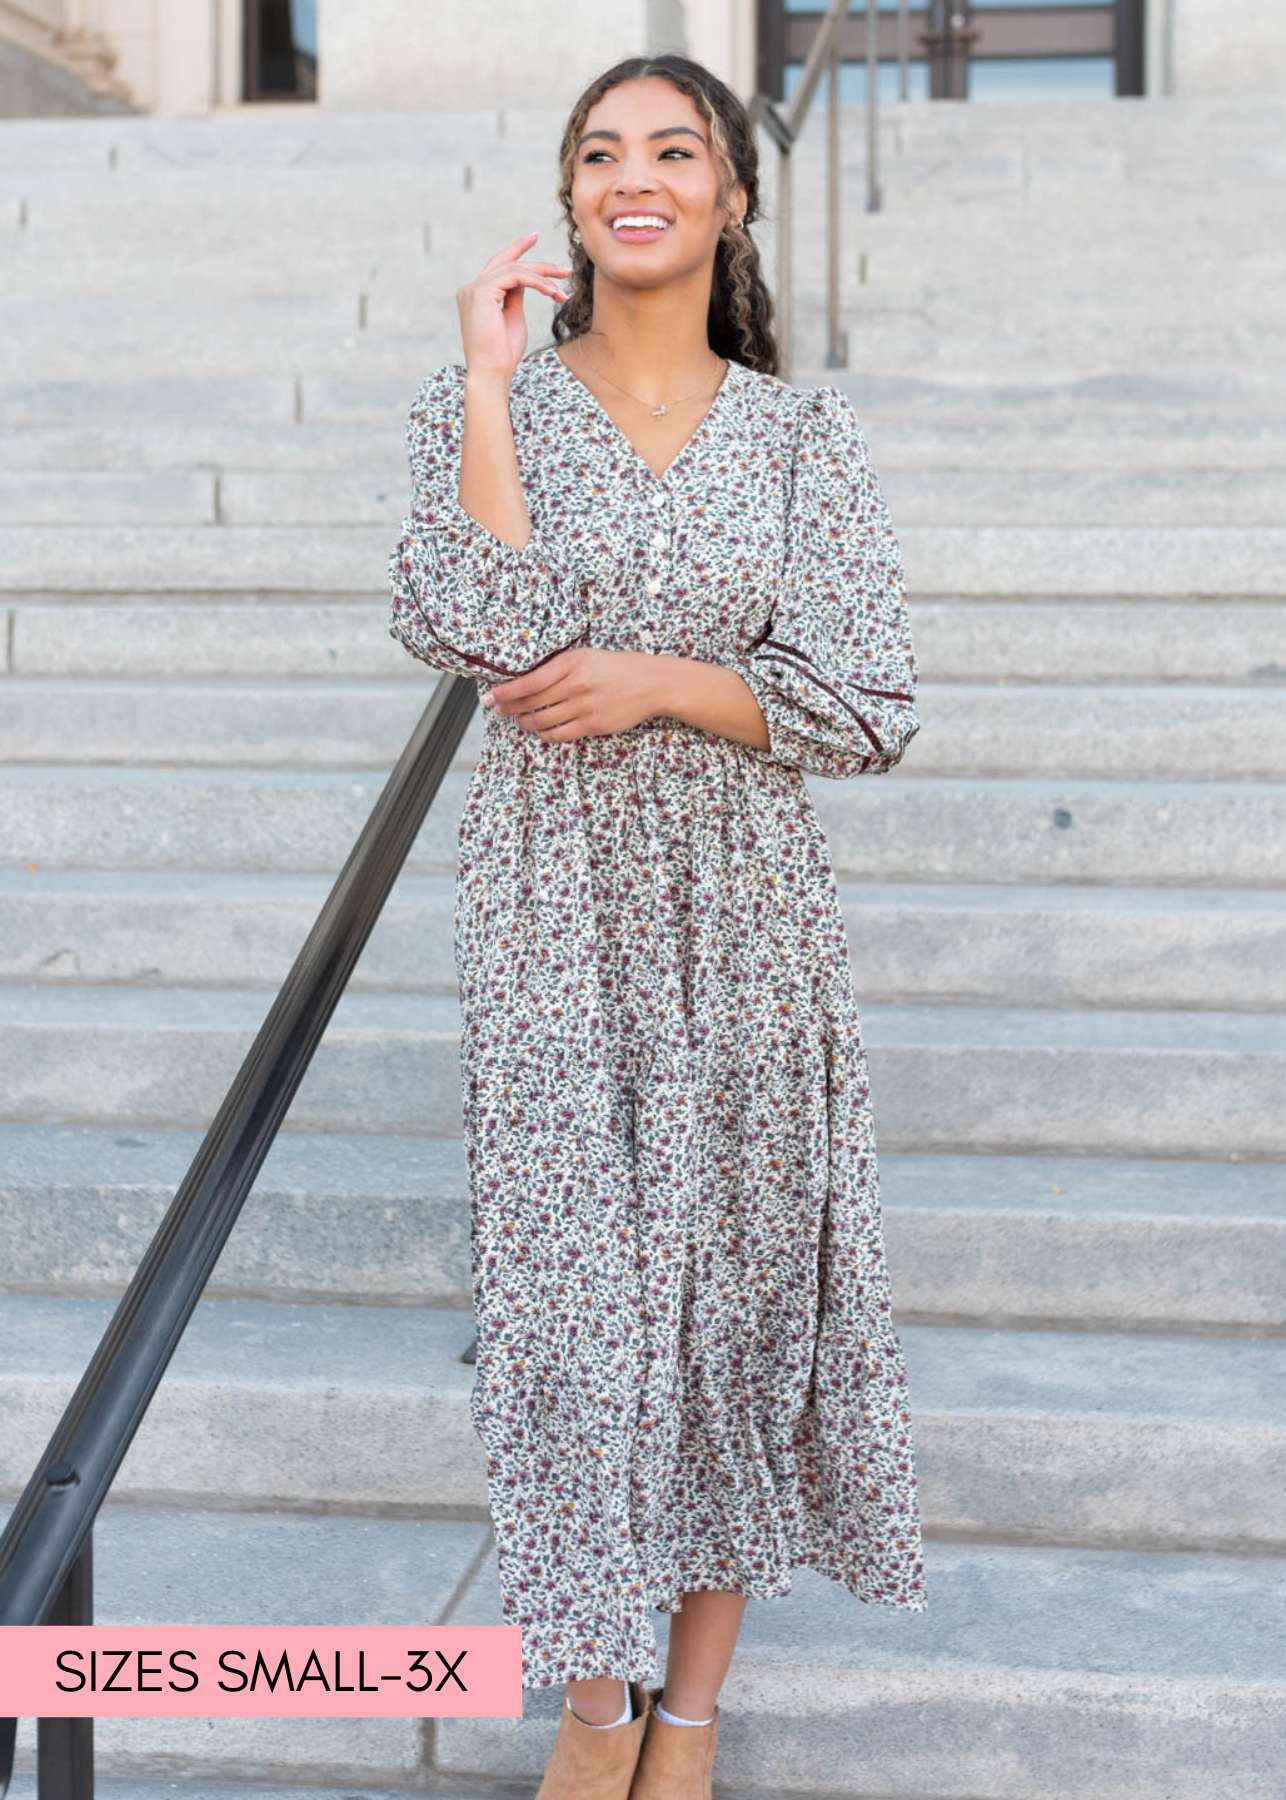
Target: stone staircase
{"x": 1066, "y": 909}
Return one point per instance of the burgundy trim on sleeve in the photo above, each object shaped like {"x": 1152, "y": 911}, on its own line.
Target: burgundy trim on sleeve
{"x": 811, "y": 671}
{"x": 789, "y": 650}
{"x": 481, "y": 661}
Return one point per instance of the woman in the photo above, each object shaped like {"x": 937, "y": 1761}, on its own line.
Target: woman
{"x": 675, "y": 576}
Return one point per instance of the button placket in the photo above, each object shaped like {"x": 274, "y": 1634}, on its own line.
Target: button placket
{"x": 659, "y": 547}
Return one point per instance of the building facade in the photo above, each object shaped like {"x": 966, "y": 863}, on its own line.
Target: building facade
{"x": 185, "y": 57}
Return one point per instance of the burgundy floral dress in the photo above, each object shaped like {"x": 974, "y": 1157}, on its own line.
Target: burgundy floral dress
{"x": 687, "y": 1375}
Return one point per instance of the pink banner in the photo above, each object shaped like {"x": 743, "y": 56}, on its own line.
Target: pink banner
{"x": 266, "y": 1672}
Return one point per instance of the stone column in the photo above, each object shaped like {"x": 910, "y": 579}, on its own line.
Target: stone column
{"x": 1220, "y": 46}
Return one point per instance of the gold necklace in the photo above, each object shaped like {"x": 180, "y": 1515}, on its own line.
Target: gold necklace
{"x": 665, "y": 405}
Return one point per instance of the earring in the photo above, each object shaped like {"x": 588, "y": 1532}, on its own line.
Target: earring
{"x": 575, "y": 234}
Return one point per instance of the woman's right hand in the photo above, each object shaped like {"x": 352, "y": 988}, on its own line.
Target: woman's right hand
{"x": 492, "y": 323}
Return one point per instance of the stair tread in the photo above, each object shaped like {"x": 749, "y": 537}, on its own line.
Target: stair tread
{"x": 389, "y": 1167}
{"x": 975, "y": 1371}
{"x": 1017, "y": 1028}
{"x": 1174, "y": 1615}
{"x": 254, "y": 888}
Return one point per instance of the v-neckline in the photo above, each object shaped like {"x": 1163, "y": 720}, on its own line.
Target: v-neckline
{"x": 641, "y": 460}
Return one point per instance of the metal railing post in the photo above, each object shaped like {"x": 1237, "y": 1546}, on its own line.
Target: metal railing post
{"x": 65, "y": 1747}
{"x": 784, "y": 320}
{"x": 785, "y": 128}
{"x": 834, "y": 355}
{"x": 872, "y": 105}
{"x": 45, "y": 1543}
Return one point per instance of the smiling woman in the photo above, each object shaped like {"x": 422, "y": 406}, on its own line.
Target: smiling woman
{"x": 676, "y": 578}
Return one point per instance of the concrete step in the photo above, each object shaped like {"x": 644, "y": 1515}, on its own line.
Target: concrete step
{"x": 1123, "y": 1439}
{"x": 1207, "y": 243}
{"x": 172, "y": 927}
{"x": 367, "y": 378}
{"x": 906, "y": 827}
{"x": 473, "y": 173}
{"x": 170, "y": 1565}
{"x": 234, "y": 723}
{"x": 381, "y": 380}
{"x": 1078, "y": 497}
{"x": 1030, "y": 428}
{"x": 1083, "y": 640}
{"x": 1058, "y": 829}
{"x": 1112, "y": 1244}
{"x": 944, "y": 1077}
{"x": 1173, "y": 210}
{"x": 1089, "y": 497}
{"x": 186, "y": 339}
{"x": 1001, "y": 384}
{"x": 1159, "y": 561}
{"x": 1219, "y": 358}
{"x": 995, "y": 943}
{"x": 250, "y": 635}
{"x": 1072, "y": 641}
{"x": 1041, "y": 236}
{"x": 987, "y": 1692}
{"x": 1015, "y": 165}
{"x": 922, "y": 357}
{"x": 815, "y": 1704}
{"x": 1127, "y": 730}
{"x": 1015, "y": 943}
{"x": 248, "y": 139}
{"x": 196, "y": 1786}
{"x": 1149, "y": 144}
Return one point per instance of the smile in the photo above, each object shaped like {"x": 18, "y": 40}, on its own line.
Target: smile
{"x": 638, "y": 227}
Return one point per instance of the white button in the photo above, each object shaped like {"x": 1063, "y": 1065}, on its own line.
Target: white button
{"x": 658, "y": 496}
{"x": 659, "y": 541}
{"x": 654, "y": 586}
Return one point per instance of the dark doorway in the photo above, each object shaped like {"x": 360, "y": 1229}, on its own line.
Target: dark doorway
{"x": 280, "y": 60}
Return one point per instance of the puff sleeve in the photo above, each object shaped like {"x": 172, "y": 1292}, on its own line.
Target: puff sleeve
{"x": 463, "y": 599}
{"x": 835, "y": 674}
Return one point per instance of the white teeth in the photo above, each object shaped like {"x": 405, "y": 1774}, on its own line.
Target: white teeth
{"x": 641, "y": 219}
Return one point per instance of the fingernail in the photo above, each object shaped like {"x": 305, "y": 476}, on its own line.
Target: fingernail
{"x": 488, "y": 700}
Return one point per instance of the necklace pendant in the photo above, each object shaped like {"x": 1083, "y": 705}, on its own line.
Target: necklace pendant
{"x": 657, "y": 411}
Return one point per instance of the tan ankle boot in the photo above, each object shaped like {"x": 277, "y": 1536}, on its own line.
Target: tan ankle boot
{"x": 588, "y": 1764}
{"x": 676, "y": 1761}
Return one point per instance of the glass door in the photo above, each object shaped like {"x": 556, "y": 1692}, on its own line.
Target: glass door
{"x": 967, "y": 49}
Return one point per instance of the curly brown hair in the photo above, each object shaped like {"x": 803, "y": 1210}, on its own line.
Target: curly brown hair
{"x": 741, "y": 307}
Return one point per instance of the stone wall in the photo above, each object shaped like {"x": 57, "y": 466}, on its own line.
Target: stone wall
{"x": 401, "y": 54}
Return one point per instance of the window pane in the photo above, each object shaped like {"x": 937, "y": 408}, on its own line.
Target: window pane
{"x": 1042, "y": 78}
{"x": 852, "y": 82}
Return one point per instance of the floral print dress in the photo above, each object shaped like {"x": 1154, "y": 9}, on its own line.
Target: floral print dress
{"x": 687, "y": 1374}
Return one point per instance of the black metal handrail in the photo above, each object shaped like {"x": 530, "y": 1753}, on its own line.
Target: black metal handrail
{"x": 46, "y": 1547}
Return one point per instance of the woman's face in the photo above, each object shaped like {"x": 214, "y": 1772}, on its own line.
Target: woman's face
{"x": 645, "y": 149}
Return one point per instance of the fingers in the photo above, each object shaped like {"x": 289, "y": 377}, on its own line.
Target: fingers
{"x": 519, "y": 277}
{"x": 511, "y": 252}
{"x": 522, "y": 689}
{"x": 500, "y": 283}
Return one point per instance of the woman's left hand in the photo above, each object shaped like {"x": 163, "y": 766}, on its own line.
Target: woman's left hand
{"x": 581, "y": 692}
